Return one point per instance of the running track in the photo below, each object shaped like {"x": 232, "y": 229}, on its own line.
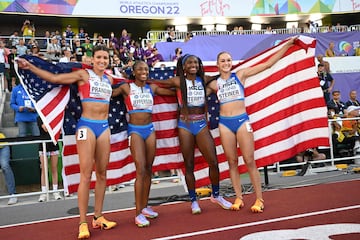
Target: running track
{"x": 310, "y": 212}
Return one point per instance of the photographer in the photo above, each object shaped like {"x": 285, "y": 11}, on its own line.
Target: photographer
{"x": 28, "y": 29}
{"x": 326, "y": 81}
{"x": 53, "y": 50}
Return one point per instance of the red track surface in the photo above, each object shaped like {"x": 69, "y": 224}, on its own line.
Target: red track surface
{"x": 292, "y": 209}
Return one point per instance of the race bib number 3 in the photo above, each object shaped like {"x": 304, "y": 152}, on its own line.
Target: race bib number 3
{"x": 82, "y": 134}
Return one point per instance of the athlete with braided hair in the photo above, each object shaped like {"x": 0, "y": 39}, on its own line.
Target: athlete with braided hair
{"x": 192, "y": 125}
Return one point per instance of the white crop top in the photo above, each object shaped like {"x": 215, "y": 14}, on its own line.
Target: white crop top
{"x": 140, "y": 99}
{"x": 230, "y": 89}
{"x": 195, "y": 93}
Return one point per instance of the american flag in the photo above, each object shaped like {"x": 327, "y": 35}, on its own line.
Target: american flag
{"x": 285, "y": 105}
{"x": 286, "y": 108}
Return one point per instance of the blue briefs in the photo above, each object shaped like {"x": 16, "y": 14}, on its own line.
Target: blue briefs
{"x": 96, "y": 126}
{"x": 142, "y": 130}
{"x": 235, "y": 122}
{"x": 193, "y": 126}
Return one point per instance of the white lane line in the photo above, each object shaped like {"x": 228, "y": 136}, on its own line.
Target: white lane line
{"x": 191, "y": 234}
{"x": 63, "y": 218}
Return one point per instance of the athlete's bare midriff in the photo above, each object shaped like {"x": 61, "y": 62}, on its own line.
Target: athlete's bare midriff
{"x": 232, "y": 108}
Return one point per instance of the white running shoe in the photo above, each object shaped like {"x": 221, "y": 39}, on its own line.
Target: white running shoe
{"x": 221, "y": 201}
{"x": 195, "y": 208}
{"x": 42, "y": 197}
{"x": 13, "y": 200}
{"x": 149, "y": 212}
{"x": 57, "y": 196}
{"x": 141, "y": 221}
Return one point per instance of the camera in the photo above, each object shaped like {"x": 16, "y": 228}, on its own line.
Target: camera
{"x": 27, "y": 22}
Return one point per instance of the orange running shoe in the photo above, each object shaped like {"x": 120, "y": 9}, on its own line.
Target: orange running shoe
{"x": 102, "y": 223}
{"x": 83, "y": 231}
{"x": 237, "y": 204}
{"x": 258, "y": 206}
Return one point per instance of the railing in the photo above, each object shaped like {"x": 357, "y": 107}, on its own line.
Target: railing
{"x": 160, "y": 36}
{"x": 43, "y": 41}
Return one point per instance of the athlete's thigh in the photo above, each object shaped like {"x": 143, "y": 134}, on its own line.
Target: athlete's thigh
{"x": 187, "y": 144}
{"x": 246, "y": 141}
{"x": 138, "y": 149}
{"x": 150, "y": 143}
{"x": 228, "y": 142}
{"x": 102, "y": 152}
{"x": 85, "y": 144}
{"x": 205, "y": 143}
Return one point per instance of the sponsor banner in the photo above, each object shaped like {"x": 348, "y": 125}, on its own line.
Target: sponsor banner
{"x": 179, "y": 8}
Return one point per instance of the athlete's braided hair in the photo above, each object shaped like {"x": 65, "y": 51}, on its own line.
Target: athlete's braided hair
{"x": 182, "y": 75}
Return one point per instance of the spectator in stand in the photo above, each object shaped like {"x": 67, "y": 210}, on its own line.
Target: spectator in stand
{"x": 35, "y": 51}
{"x": 66, "y": 55}
{"x": 326, "y": 81}
{"x": 129, "y": 60}
{"x": 139, "y": 51}
{"x": 88, "y": 46}
{"x": 82, "y": 34}
{"x": 58, "y": 36}
{"x": 178, "y": 54}
{"x": 87, "y": 60}
{"x": 235, "y": 30}
{"x": 335, "y": 106}
{"x": 156, "y": 57}
{"x": 44, "y": 42}
{"x": 31, "y": 42}
{"x": 310, "y": 154}
{"x": 269, "y": 30}
{"x": 100, "y": 41}
{"x": 124, "y": 39}
{"x": 21, "y": 48}
{"x": 13, "y": 81}
{"x": 53, "y": 50}
{"x": 326, "y": 64}
{"x": 241, "y": 30}
{"x": 69, "y": 34}
{"x": 14, "y": 39}
{"x": 4, "y": 52}
{"x": 346, "y": 132}
{"x": 112, "y": 49}
{"x": 188, "y": 37}
{"x": 8, "y": 173}
{"x": 52, "y": 151}
{"x": 172, "y": 37}
{"x": 79, "y": 50}
{"x": 25, "y": 112}
{"x": 313, "y": 27}
{"x": 28, "y": 29}
{"x": 352, "y": 99}
{"x": 114, "y": 40}
{"x": 63, "y": 43}
{"x": 116, "y": 66}
{"x": 357, "y": 50}
{"x": 148, "y": 51}
{"x": 330, "y": 52}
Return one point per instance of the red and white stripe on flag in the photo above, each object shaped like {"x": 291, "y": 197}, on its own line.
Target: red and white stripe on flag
{"x": 121, "y": 167}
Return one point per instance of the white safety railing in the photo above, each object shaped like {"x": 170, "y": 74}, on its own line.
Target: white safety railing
{"x": 46, "y": 172}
